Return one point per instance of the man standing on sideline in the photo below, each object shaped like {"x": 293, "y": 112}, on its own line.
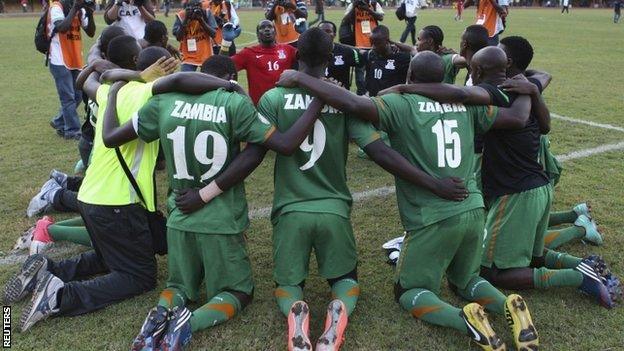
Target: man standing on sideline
{"x": 363, "y": 17}
{"x": 225, "y": 15}
{"x": 319, "y": 9}
{"x": 566, "y": 6}
{"x": 344, "y": 57}
{"x": 410, "y": 20}
{"x": 64, "y": 22}
{"x": 490, "y": 15}
{"x": 194, "y": 28}
{"x": 131, "y": 15}
{"x": 284, "y": 13}
{"x": 616, "y": 11}
{"x": 264, "y": 62}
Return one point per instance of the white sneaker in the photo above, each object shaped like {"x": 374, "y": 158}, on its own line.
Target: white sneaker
{"x": 43, "y": 200}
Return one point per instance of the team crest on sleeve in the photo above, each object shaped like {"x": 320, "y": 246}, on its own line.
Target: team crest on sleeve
{"x": 338, "y": 60}
{"x": 281, "y": 54}
{"x": 390, "y": 64}
{"x": 263, "y": 119}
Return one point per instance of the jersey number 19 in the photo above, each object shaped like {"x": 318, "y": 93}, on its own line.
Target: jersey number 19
{"x": 200, "y": 151}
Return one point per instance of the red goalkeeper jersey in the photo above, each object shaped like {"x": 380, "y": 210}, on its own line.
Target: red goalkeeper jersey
{"x": 264, "y": 66}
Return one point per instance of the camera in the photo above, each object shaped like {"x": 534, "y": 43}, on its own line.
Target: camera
{"x": 194, "y": 10}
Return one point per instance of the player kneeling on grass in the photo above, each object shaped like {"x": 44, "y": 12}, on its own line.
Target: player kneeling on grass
{"x": 311, "y": 208}
{"x": 518, "y": 191}
{"x": 200, "y": 135}
{"x": 442, "y": 236}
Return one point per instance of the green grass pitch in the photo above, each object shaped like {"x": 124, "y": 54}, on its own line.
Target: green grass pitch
{"x": 582, "y": 50}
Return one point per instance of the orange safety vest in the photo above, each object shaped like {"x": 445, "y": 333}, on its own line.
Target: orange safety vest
{"x": 285, "y": 32}
{"x": 71, "y": 42}
{"x": 217, "y": 10}
{"x": 364, "y": 25}
{"x": 487, "y": 16}
{"x": 195, "y": 36}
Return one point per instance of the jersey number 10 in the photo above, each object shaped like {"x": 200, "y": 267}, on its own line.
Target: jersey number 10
{"x": 200, "y": 151}
{"x": 451, "y": 157}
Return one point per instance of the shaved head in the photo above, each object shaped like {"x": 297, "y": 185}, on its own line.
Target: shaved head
{"x": 426, "y": 67}
{"x": 488, "y": 62}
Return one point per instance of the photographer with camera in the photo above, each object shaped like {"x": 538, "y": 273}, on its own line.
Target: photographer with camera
{"x": 361, "y": 17}
{"x": 131, "y": 15}
{"x": 65, "y": 18}
{"x": 227, "y": 20}
{"x": 286, "y": 14}
{"x": 194, "y": 28}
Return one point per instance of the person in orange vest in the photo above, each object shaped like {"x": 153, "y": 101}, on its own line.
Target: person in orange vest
{"x": 194, "y": 28}
{"x": 65, "y": 19}
{"x": 491, "y": 15}
{"x": 363, "y": 16}
{"x": 225, "y": 15}
{"x": 284, "y": 14}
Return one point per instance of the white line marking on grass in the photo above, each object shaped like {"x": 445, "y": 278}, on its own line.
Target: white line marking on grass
{"x": 589, "y": 152}
{"x": 589, "y": 123}
{"x": 264, "y": 212}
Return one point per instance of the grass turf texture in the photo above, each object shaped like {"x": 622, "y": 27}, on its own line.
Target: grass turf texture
{"x": 578, "y": 49}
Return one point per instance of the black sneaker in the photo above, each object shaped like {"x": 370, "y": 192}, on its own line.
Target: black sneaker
{"x": 23, "y": 282}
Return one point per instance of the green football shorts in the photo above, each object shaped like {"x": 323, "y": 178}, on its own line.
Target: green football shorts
{"x": 452, "y": 245}
{"x": 218, "y": 260}
{"x": 516, "y": 225}
{"x": 295, "y": 234}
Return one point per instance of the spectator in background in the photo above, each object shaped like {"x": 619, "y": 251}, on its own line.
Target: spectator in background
{"x": 617, "y": 5}
{"x": 167, "y": 6}
{"x": 490, "y": 15}
{"x": 362, "y": 16}
{"x": 344, "y": 57}
{"x": 284, "y": 13}
{"x": 320, "y": 11}
{"x": 64, "y": 22}
{"x": 224, "y": 14}
{"x": 410, "y": 19}
{"x": 132, "y": 15}
{"x": 460, "y": 10}
{"x": 565, "y": 6}
{"x": 24, "y": 4}
{"x": 194, "y": 28}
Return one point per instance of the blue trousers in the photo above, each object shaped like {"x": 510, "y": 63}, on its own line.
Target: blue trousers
{"x": 67, "y": 119}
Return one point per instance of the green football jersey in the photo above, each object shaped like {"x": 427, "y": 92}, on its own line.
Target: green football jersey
{"x": 450, "y": 71}
{"x": 200, "y": 135}
{"x": 439, "y": 139}
{"x": 314, "y": 178}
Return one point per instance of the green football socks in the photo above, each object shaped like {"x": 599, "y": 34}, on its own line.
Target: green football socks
{"x": 560, "y": 260}
{"x": 171, "y": 297}
{"x": 219, "y": 309}
{"x": 286, "y": 295}
{"x": 544, "y": 278}
{"x": 556, "y": 238}
{"x": 557, "y": 218}
{"x": 72, "y": 230}
{"x": 348, "y": 291}
{"x": 485, "y": 294}
{"x": 425, "y": 305}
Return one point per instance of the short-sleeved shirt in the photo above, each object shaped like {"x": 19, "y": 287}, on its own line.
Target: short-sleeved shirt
{"x": 437, "y": 138}
{"x": 313, "y": 179}
{"x": 498, "y": 98}
{"x": 511, "y": 157}
{"x": 450, "y": 70}
{"x": 384, "y": 72}
{"x": 340, "y": 66}
{"x": 105, "y": 182}
{"x": 200, "y": 135}
{"x": 130, "y": 19}
{"x": 264, "y": 66}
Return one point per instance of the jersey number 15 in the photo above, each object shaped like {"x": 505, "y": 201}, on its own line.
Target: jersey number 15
{"x": 447, "y": 157}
